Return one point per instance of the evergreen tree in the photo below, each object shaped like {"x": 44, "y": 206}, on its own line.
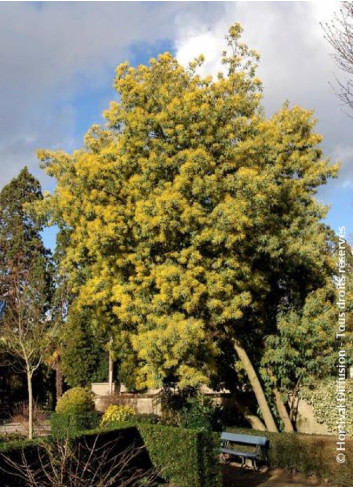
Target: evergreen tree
{"x": 20, "y": 229}
{"x": 83, "y": 357}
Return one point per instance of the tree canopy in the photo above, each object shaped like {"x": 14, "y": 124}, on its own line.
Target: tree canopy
{"x": 192, "y": 217}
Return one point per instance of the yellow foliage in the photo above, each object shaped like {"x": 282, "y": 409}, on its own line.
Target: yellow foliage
{"x": 116, "y": 414}
{"x": 185, "y": 209}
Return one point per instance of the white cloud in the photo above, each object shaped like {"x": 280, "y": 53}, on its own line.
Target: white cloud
{"x": 344, "y": 154}
{"x": 189, "y": 48}
{"x": 295, "y": 62}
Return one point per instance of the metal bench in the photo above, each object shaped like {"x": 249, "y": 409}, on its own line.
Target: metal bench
{"x": 228, "y": 440}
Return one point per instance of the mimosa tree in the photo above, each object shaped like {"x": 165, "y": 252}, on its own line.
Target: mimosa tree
{"x": 191, "y": 217}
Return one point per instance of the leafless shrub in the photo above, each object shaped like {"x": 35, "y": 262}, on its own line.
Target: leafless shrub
{"x": 66, "y": 463}
{"x": 20, "y": 413}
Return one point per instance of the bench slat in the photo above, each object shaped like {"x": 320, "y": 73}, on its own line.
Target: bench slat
{"x": 246, "y": 439}
{"x": 239, "y": 454}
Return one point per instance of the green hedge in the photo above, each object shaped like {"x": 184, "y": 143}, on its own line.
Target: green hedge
{"x": 182, "y": 456}
{"x": 185, "y": 457}
{"x": 63, "y": 425}
{"x": 19, "y": 444}
{"x": 310, "y": 454}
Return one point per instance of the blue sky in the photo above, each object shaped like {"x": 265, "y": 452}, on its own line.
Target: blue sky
{"x": 58, "y": 61}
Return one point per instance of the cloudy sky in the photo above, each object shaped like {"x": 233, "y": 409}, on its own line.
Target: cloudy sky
{"x": 58, "y": 59}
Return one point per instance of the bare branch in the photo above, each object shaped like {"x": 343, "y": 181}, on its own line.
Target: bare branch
{"x": 68, "y": 463}
{"x": 339, "y": 33}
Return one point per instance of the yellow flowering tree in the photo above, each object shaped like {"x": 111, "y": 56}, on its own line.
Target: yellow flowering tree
{"x": 191, "y": 216}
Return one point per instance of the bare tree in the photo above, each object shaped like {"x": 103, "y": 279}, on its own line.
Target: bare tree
{"x": 339, "y": 33}
{"x": 25, "y": 326}
{"x": 88, "y": 462}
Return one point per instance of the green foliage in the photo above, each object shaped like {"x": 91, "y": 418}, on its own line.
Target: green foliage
{"x": 9, "y": 437}
{"x": 321, "y": 395}
{"x": 201, "y": 413}
{"x": 191, "y": 409}
{"x": 115, "y": 414}
{"x": 14, "y": 450}
{"x": 186, "y": 457}
{"x": 20, "y": 240}
{"x": 16, "y": 444}
{"x": 310, "y": 454}
{"x": 23, "y": 256}
{"x": 75, "y": 401}
{"x": 83, "y": 357}
{"x": 69, "y": 425}
{"x": 304, "y": 343}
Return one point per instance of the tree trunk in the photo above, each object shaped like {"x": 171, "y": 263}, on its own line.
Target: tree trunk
{"x": 257, "y": 388}
{"x": 110, "y": 368}
{"x": 110, "y": 376}
{"x": 58, "y": 381}
{"x": 254, "y": 421}
{"x": 30, "y": 405}
{"x": 294, "y": 402}
{"x": 282, "y": 411}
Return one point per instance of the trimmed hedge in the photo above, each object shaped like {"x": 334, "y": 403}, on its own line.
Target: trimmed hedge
{"x": 182, "y": 456}
{"x": 310, "y": 454}
{"x": 63, "y": 425}
{"x": 185, "y": 457}
{"x": 8, "y": 445}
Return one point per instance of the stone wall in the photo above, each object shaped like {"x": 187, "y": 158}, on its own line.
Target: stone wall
{"x": 142, "y": 403}
{"x": 147, "y": 403}
{"x": 150, "y": 403}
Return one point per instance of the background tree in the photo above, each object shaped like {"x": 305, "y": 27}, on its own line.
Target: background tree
{"x": 25, "y": 280}
{"x": 339, "y": 33}
{"x": 84, "y": 358}
{"x": 61, "y": 301}
{"x": 302, "y": 349}
{"x": 197, "y": 219}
